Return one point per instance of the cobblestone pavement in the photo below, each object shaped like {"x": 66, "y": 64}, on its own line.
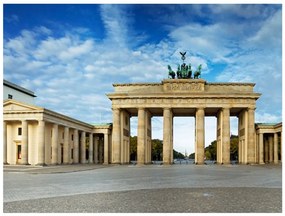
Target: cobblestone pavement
{"x": 152, "y": 188}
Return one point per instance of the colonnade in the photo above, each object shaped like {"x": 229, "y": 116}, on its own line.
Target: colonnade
{"x": 268, "y": 147}
{"x": 41, "y": 142}
{"x": 246, "y": 129}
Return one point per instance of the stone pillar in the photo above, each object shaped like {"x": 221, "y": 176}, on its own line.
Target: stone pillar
{"x": 276, "y": 148}
{"x": 24, "y": 143}
{"x": 90, "y": 148}
{"x": 106, "y": 148}
{"x": 83, "y": 148}
{"x": 200, "y": 136}
{"x": 167, "y": 132}
{"x": 76, "y": 147}
{"x": 66, "y": 149}
{"x": 96, "y": 150}
{"x": 141, "y": 137}
{"x": 270, "y": 142}
{"x": 226, "y": 136}
{"x": 5, "y": 142}
{"x": 250, "y": 137}
{"x": 41, "y": 143}
{"x": 266, "y": 150}
{"x": 116, "y": 137}
{"x": 171, "y": 138}
{"x": 54, "y": 144}
{"x": 261, "y": 151}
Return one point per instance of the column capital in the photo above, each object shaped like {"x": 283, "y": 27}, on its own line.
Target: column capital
{"x": 251, "y": 108}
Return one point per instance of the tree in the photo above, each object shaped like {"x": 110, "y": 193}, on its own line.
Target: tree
{"x": 133, "y": 148}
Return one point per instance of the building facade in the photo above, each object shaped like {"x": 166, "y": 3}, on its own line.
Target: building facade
{"x": 38, "y": 136}
{"x": 16, "y": 92}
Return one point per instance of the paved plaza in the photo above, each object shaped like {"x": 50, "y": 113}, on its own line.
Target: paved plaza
{"x": 151, "y": 188}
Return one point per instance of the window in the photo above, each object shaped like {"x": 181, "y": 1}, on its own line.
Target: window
{"x": 19, "y": 131}
{"x": 72, "y": 137}
{"x": 10, "y": 96}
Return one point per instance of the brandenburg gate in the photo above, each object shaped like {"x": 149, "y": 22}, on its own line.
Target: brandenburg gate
{"x": 183, "y": 97}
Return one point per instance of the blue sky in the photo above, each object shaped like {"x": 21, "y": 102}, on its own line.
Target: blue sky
{"x": 70, "y": 55}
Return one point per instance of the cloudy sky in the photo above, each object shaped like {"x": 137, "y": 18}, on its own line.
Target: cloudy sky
{"x": 70, "y": 55}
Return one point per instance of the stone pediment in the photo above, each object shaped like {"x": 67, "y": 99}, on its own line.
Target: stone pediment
{"x": 12, "y": 105}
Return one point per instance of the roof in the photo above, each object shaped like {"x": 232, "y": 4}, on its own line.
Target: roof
{"x": 18, "y": 88}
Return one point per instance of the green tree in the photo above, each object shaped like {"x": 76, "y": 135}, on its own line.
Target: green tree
{"x": 133, "y": 148}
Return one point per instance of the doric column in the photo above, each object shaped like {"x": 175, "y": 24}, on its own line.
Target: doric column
{"x": 66, "y": 154}
{"x": 5, "y": 142}
{"x": 261, "y": 151}
{"x": 270, "y": 142}
{"x": 96, "y": 150}
{"x": 116, "y": 137}
{"x": 54, "y": 144}
{"x": 24, "y": 147}
{"x": 41, "y": 143}
{"x": 106, "y": 148}
{"x": 276, "y": 148}
{"x": 76, "y": 147}
{"x": 167, "y": 132}
{"x": 266, "y": 150}
{"x": 226, "y": 136}
{"x": 141, "y": 137}
{"x": 251, "y": 135}
{"x": 90, "y": 148}
{"x": 83, "y": 148}
{"x": 200, "y": 136}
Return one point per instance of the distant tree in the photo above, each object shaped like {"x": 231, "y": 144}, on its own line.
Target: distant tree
{"x": 156, "y": 149}
{"x": 133, "y": 148}
{"x": 211, "y": 150}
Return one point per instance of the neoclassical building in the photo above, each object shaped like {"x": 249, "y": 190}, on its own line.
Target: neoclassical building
{"x": 38, "y": 136}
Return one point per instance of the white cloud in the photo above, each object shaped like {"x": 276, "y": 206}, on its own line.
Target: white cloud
{"x": 71, "y": 74}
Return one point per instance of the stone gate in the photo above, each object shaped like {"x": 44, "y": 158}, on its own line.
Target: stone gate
{"x": 183, "y": 97}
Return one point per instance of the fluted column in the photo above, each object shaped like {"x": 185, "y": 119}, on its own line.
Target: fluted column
{"x": 66, "y": 151}
{"x": 116, "y": 137}
{"x": 5, "y": 142}
{"x": 76, "y": 147}
{"x": 200, "y": 136}
{"x": 83, "y": 148}
{"x": 226, "y": 136}
{"x": 24, "y": 147}
{"x": 106, "y": 148}
{"x": 54, "y": 144}
{"x": 96, "y": 150}
{"x": 270, "y": 142}
{"x": 261, "y": 149}
{"x": 276, "y": 148}
{"x": 266, "y": 150}
{"x": 141, "y": 137}
{"x": 167, "y": 132}
{"x": 251, "y": 135}
{"x": 41, "y": 143}
{"x": 90, "y": 148}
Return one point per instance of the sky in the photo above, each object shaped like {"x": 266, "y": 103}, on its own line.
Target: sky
{"x": 71, "y": 54}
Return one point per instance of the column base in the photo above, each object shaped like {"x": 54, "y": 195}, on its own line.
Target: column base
{"x": 41, "y": 164}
